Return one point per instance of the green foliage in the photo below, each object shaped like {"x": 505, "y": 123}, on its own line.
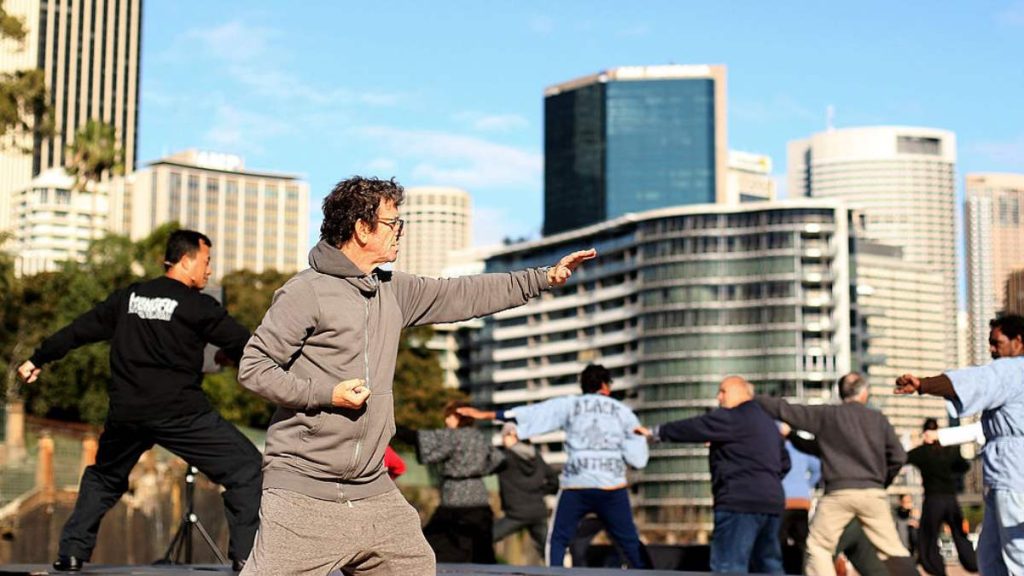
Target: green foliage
{"x": 236, "y": 404}
{"x": 11, "y": 27}
{"x": 419, "y": 390}
{"x": 74, "y": 388}
{"x": 94, "y": 151}
{"x": 24, "y": 99}
{"x": 248, "y": 294}
{"x": 34, "y": 307}
{"x": 24, "y": 108}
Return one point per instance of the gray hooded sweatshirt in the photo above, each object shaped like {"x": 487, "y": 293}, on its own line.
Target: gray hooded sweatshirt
{"x": 331, "y": 323}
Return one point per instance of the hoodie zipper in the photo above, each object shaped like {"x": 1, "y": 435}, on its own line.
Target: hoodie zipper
{"x": 366, "y": 373}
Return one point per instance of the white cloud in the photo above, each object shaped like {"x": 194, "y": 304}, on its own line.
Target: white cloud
{"x": 443, "y": 158}
{"x": 382, "y": 166}
{"x": 254, "y": 57}
{"x": 234, "y": 41}
{"x": 492, "y": 122}
{"x": 240, "y": 131}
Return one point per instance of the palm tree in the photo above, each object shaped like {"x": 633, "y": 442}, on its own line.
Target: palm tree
{"x": 94, "y": 152}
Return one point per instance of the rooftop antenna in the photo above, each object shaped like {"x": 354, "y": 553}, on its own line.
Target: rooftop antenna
{"x": 830, "y": 117}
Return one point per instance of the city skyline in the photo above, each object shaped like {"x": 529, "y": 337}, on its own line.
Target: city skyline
{"x": 292, "y": 93}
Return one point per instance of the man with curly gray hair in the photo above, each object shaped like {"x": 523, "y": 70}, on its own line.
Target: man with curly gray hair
{"x": 325, "y": 354}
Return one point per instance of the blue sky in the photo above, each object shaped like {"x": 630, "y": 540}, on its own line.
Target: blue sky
{"x": 451, "y": 93}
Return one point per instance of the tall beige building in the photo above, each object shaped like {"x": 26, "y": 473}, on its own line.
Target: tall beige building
{"x": 902, "y": 180}
{"x": 257, "y": 220}
{"x": 1014, "y": 303}
{"x": 89, "y": 53}
{"x": 438, "y": 220}
{"x": 995, "y": 248}
{"x": 898, "y": 305}
{"x": 749, "y": 178}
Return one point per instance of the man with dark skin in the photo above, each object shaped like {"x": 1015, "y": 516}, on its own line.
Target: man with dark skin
{"x": 1006, "y": 337}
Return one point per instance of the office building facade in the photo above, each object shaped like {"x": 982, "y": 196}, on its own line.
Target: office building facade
{"x": 680, "y": 298}
{"x": 901, "y": 179}
{"x": 750, "y": 178}
{"x": 677, "y": 299}
{"x": 438, "y": 221}
{"x": 995, "y": 247}
{"x": 89, "y": 53}
{"x": 258, "y": 220}
{"x": 633, "y": 139}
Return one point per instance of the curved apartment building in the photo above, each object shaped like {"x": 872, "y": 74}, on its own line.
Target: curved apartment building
{"x": 677, "y": 299}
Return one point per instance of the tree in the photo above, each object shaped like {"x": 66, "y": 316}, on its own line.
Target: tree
{"x": 419, "y": 390}
{"x": 247, "y": 294}
{"x": 247, "y": 297}
{"x": 24, "y": 99}
{"x": 74, "y": 388}
{"x": 94, "y": 152}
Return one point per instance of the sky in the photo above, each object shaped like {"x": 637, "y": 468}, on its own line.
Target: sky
{"x": 451, "y": 92}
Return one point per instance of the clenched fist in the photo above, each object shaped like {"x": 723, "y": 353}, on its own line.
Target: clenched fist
{"x": 351, "y": 394}
{"x": 907, "y": 384}
{"x": 28, "y": 372}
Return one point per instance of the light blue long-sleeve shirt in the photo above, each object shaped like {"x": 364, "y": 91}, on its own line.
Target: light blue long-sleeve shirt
{"x": 997, "y": 391}
{"x": 599, "y": 441}
{"x": 804, "y": 474}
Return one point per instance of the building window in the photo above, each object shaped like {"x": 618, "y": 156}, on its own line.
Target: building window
{"x": 918, "y": 145}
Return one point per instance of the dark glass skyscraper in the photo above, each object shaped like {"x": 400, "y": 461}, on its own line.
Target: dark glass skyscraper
{"x": 630, "y": 140}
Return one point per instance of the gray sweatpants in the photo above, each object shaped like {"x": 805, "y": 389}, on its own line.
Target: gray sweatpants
{"x": 299, "y": 535}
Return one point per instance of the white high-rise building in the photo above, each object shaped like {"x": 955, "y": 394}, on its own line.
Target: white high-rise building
{"x": 995, "y": 248}
{"x": 89, "y": 55}
{"x": 54, "y": 220}
{"x": 438, "y": 220}
{"x": 257, "y": 220}
{"x": 750, "y": 178}
{"x": 902, "y": 180}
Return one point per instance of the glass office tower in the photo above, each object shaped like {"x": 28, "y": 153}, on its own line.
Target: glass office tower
{"x": 633, "y": 139}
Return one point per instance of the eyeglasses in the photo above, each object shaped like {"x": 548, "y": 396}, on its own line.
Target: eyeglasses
{"x": 392, "y": 223}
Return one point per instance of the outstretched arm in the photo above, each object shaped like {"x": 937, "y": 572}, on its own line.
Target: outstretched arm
{"x": 971, "y": 390}
{"x": 426, "y": 300}
{"x": 94, "y": 326}
{"x": 807, "y": 418}
{"x": 939, "y": 385}
{"x": 531, "y": 420}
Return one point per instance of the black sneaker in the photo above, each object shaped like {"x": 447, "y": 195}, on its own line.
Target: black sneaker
{"x": 68, "y": 564}
{"x": 237, "y": 565}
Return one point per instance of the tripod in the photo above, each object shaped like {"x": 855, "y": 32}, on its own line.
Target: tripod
{"x": 181, "y": 544}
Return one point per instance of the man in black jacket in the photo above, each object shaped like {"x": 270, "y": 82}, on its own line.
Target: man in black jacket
{"x": 941, "y": 467}
{"x": 523, "y": 481}
{"x": 157, "y": 331}
{"x": 748, "y": 460}
{"x": 860, "y": 457}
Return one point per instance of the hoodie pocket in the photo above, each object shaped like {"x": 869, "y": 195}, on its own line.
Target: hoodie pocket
{"x": 314, "y": 424}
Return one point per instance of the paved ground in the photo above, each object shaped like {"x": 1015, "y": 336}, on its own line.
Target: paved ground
{"x": 209, "y": 570}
